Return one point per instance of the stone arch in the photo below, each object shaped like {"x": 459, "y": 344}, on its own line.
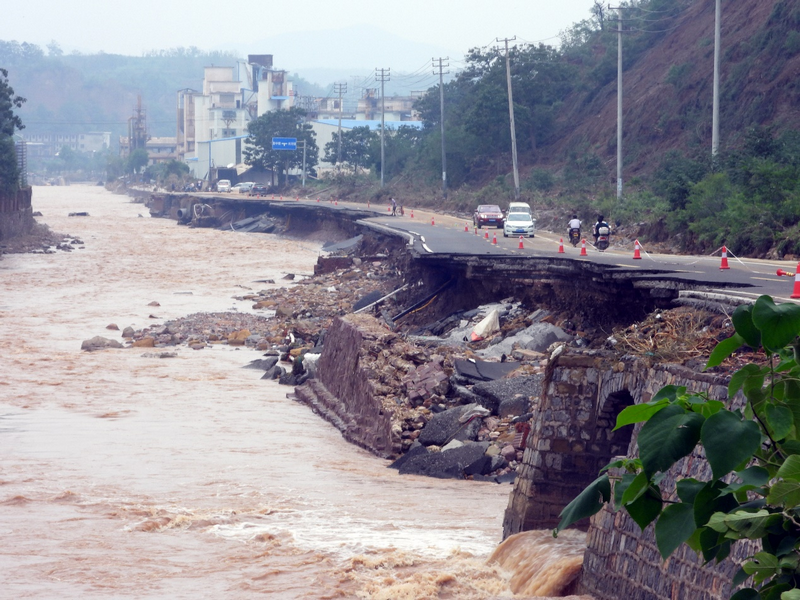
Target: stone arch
{"x": 572, "y": 437}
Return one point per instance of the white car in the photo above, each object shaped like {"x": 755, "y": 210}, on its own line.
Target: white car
{"x": 243, "y": 187}
{"x": 519, "y": 223}
{"x": 224, "y": 185}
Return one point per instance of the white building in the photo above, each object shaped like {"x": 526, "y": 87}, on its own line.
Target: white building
{"x": 212, "y": 124}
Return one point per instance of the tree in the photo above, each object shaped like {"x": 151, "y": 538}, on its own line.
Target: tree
{"x": 753, "y": 454}
{"x": 360, "y": 148}
{"x": 280, "y": 123}
{"x": 9, "y": 122}
{"x": 137, "y": 159}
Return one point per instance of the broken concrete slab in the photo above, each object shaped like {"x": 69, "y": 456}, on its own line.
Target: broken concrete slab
{"x": 450, "y": 464}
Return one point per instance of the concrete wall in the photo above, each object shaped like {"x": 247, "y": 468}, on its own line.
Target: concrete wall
{"x": 348, "y": 390}
{"x": 571, "y": 438}
{"x": 16, "y": 214}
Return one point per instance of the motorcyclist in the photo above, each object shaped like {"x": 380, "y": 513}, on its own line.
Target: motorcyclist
{"x": 601, "y": 223}
{"x": 574, "y": 223}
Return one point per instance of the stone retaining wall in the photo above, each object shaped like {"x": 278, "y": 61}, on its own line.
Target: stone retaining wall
{"x": 571, "y": 439}
{"x": 348, "y": 391}
{"x": 16, "y": 214}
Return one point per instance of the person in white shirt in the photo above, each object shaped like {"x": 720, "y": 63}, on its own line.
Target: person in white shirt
{"x": 574, "y": 223}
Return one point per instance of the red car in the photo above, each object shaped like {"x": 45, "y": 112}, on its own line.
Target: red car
{"x": 488, "y": 214}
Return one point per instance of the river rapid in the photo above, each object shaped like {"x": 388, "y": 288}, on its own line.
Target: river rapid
{"x": 125, "y": 475}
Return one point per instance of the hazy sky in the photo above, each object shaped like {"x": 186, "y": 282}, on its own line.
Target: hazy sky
{"x": 250, "y": 26}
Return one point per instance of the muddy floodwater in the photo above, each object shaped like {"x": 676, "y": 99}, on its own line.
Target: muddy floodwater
{"x": 125, "y": 475}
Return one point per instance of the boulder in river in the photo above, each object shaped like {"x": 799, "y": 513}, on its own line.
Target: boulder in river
{"x": 99, "y": 343}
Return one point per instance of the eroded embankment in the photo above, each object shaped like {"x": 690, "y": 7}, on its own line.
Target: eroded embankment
{"x": 370, "y": 369}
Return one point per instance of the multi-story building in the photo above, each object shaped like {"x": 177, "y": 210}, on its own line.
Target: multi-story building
{"x": 212, "y": 124}
{"x": 48, "y": 145}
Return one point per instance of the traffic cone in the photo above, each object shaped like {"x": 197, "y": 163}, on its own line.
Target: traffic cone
{"x": 583, "y": 247}
{"x": 520, "y": 243}
{"x": 273, "y": 196}
{"x": 486, "y": 236}
{"x": 432, "y": 223}
{"x": 494, "y": 239}
{"x": 781, "y": 272}
{"x": 636, "y": 253}
{"x": 412, "y": 213}
{"x": 724, "y": 264}
{"x": 475, "y": 229}
{"x": 388, "y": 209}
{"x": 336, "y": 203}
{"x": 796, "y": 291}
{"x": 561, "y": 245}
{"x": 297, "y": 198}
{"x": 466, "y": 227}
{"x": 318, "y": 200}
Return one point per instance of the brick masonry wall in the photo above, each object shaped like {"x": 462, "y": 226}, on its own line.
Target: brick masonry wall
{"x": 571, "y": 439}
{"x": 16, "y": 214}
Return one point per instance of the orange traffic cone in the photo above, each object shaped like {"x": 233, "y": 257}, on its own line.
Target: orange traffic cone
{"x": 273, "y": 196}
{"x": 583, "y": 247}
{"x": 636, "y": 253}
{"x": 781, "y": 272}
{"x": 297, "y": 198}
{"x": 724, "y": 264}
{"x": 466, "y": 227}
{"x": 317, "y": 200}
{"x": 432, "y": 223}
{"x": 561, "y": 245}
{"x": 520, "y": 243}
{"x": 494, "y": 239}
{"x": 486, "y": 236}
{"x": 412, "y": 213}
{"x": 336, "y": 203}
{"x": 281, "y": 196}
{"x": 388, "y": 209}
{"x": 796, "y": 291}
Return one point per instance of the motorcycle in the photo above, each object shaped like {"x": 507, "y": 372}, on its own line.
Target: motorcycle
{"x": 603, "y": 235}
{"x": 574, "y": 237}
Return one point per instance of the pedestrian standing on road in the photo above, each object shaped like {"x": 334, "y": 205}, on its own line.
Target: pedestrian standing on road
{"x": 394, "y": 208}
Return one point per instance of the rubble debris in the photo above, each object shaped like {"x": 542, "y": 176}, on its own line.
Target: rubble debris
{"x": 99, "y": 343}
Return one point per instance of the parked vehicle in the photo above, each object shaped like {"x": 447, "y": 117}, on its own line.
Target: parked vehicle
{"x": 519, "y": 223}
{"x": 258, "y": 189}
{"x": 574, "y": 236}
{"x": 488, "y": 214}
{"x": 243, "y": 187}
{"x": 224, "y": 185}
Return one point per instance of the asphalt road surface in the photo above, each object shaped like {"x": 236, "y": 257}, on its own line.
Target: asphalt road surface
{"x": 434, "y": 233}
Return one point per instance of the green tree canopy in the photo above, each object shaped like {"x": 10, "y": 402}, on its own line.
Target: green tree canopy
{"x": 9, "y": 122}
{"x": 360, "y": 147}
{"x": 281, "y": 123}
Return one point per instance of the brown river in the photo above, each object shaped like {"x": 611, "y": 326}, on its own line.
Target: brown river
{"x": 124, "y": 475}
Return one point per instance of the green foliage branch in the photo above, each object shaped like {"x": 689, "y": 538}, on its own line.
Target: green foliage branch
{"x": 753, "y": 453}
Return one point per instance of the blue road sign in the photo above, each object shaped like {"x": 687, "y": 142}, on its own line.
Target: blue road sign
{"x": 284, "y": 143}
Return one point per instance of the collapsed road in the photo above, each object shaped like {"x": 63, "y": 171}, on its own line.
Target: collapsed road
{"x": 451, "y": 247}
{"x": 422, "y": 381}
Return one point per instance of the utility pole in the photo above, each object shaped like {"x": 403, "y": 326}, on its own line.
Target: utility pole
{"x": 715, "y": 108}
{"x": 339, "y": 88}
{"x": 441, "y": 117}
{"x": 619, "y": 103}
{"x": 382, "y": 75}
{"x": 511, "y": 117}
